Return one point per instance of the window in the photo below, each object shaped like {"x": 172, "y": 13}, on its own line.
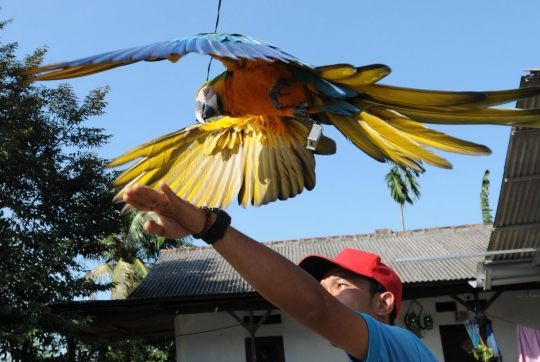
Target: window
{"x": 269, "y": 349}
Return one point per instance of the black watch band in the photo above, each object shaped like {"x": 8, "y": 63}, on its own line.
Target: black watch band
{"x": 217, "y": 230}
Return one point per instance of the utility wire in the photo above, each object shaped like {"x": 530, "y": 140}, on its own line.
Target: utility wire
{"x": 210, "y": 330}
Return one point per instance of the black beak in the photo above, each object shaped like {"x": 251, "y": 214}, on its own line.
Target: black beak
{"x": 203, "y": 112}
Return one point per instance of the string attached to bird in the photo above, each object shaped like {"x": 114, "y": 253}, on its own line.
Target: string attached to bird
{"x": 215, "y": 31}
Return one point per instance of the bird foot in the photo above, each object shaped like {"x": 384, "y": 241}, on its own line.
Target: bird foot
{"x": 275, "y": 93}
{"x": 301, "y": 113}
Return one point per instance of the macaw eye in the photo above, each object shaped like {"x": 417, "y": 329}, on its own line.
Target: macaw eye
{"x": 205, "y": 94}
{"x": 208, "y": 92}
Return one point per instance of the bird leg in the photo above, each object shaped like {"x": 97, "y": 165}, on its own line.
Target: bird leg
{"x": 301, "y": 113}
{"x": 275, "y": 93}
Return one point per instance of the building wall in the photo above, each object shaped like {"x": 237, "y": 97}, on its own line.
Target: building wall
{"x": 300, "y": 344}
{"x": 227, "y": 345}
{"x": 509, "y": 310}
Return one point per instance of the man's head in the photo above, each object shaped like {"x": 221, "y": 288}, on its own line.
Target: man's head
{"x": 359, "y": 280}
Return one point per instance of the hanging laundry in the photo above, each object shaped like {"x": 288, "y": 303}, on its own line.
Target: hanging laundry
{"x": 528, "y": 344}
{"x": 491, "y": 341}
{"x": 474, "y": 330}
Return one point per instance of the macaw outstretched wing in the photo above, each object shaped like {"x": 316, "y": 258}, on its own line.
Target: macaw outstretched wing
{"x": 259, "y": 160}
{"x": 223, "y": 46}
{"x": 254, "y": 159}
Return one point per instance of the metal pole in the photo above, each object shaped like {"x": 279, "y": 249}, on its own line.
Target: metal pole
{"x": 252, "y": 332}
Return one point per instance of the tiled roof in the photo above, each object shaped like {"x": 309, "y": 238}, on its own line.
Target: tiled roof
{"x": 203, "y": 272}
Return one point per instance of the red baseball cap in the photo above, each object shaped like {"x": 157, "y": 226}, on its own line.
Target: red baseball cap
{"x": 358, "y": 262}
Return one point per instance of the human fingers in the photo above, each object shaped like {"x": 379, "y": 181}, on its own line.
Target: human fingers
{"x": 188, "y": 215}
{"x": 154, "y": 228}
{"x": 167, "y": 226}
{"x": 144, "y": 198}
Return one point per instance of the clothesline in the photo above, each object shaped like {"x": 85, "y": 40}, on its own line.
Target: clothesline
{"x": 501, "y": 319}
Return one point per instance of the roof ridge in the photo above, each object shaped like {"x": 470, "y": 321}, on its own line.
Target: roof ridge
{"x": 375, "y": 234}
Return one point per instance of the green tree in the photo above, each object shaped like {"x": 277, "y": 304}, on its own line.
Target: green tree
{"x": 130, "y": 254}
{"x": 402, "y": 184}
{"x": 157, "y": 349}
{"x": 484, "y": 199}
{"x": 55, "y": 206}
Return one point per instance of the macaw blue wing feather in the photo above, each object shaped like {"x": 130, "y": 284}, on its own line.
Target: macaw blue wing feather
{"x": 232, "y": 46}
{"x": 252, "y": 52}
{"x": 205, "y": 46}
{"x": 333, "y": 90}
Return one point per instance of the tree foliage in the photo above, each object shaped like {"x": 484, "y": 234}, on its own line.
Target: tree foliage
{"x": 54, "y": 208}
{"x": 403, "y": 187}
{"x": 484, "y": 199}
{"x": 130, "y": 254}
{"x": 158, "y": 349}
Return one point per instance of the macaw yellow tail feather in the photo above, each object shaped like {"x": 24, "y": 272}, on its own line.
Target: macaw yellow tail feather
{"x": 423, "y": 135}
{"x": 348, "y": 75}
{"x": 440, "y": 101}
{"x": 385, "y": 134}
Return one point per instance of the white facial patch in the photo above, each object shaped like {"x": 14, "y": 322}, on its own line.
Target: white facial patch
{"x": 205, "y": 94}
{"x": 208, "y": 104}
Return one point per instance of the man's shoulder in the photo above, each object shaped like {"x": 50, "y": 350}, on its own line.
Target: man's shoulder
{"x": 391, "y": 343}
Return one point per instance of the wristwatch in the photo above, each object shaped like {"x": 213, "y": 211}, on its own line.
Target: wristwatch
{"x": 212, "y": 234}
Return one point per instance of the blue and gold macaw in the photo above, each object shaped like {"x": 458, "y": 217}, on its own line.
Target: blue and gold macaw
{"x": 256, "y": 117}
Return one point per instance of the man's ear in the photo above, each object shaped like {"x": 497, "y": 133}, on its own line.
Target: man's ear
{"x": 385, "y": 304}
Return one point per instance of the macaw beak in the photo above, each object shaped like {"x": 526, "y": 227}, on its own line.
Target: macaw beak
{"x": 203, "y": 112}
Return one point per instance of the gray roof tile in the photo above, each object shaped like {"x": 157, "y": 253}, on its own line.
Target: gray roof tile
{"x": 202, "y": 271}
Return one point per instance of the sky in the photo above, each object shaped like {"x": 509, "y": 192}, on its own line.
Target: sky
{"x": 453, "y": 45}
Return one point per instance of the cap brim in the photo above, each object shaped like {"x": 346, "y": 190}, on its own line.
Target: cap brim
{"x": 317, "y": 265}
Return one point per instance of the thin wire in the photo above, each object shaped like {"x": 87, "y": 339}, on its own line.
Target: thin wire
{"x": 210, "y": 330}
{"x": 504, "y": 320}
{"x": 217, "y": 20}
{"x": 215, "y": 31}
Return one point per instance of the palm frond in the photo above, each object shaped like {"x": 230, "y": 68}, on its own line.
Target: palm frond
{"x": 102, "y": 273}
{"x": 121, "y": 279}
{"x": 484, "y": 199}
{"x": 412, "y": 183}
{"x": 397, "y": 186}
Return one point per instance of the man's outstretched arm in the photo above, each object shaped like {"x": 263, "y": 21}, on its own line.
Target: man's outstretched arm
{"x": 275, "y": 277}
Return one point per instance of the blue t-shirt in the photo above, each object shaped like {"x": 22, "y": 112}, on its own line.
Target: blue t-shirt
{"x": 389, "y": 343}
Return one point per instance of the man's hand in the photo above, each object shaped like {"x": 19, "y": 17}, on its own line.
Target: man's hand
{"x": 176, "y": 218}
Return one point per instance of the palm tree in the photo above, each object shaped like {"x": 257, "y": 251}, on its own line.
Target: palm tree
{"x": 402, "y": 181}
{"x": 484, "y": 199}
{"x": 130, "y": 255}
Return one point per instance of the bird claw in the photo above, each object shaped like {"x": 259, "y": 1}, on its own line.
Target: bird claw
{"x": 275, "y": 93}
{"x": 301, "y": 113}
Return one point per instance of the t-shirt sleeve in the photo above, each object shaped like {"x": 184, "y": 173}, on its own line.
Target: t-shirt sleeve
{"x": 390, "y": 343}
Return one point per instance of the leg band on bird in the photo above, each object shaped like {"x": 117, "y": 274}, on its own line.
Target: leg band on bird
{"x": 314, "y": 136}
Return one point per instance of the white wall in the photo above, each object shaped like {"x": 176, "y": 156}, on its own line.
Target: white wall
{"x": 227, "y": 345}
{"x": 302, "y": 345}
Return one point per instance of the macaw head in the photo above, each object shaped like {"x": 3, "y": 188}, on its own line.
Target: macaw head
{"x": 208, "y": 104}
